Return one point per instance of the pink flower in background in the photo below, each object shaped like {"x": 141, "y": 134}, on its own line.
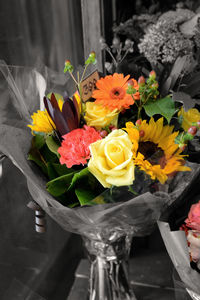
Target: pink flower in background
{"x": 193, "y": 220}
{"x": 193, "y": 239}
{"x": 74, "y": 149}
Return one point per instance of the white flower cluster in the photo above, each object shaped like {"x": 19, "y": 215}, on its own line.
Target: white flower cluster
{"x": 164, "y": 42}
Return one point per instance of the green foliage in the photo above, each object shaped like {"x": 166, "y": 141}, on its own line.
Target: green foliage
{"x": 59, "y": 185}
{"x": 78, "y": 177}
{"x": 164, "y": 107}
{"x": 38, "y": 141}
{"x": 48, "y": 155}
{"x": 52, "y": 145}
{"x": 61, "y": 169}
{"x": 35, "y": 156}
{"x": 84, "y": 196}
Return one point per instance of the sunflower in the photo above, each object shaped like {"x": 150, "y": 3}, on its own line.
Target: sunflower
{"x": 41, "y": 121}
{"x": 154, "y": 149}
{"x": 188, "y": 117}
{"x": 111, "y": 92}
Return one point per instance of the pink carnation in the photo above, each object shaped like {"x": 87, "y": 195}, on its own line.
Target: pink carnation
{"x": 74, "y": 149}
{"x": 193, "y": 220}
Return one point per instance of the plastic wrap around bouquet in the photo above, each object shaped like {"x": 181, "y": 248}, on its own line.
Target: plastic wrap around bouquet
{"x": 104, "y": 168}
{"x": 180, "y": 229}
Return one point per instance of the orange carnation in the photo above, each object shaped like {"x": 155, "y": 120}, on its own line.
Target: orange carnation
{"x": 111, "y": 92}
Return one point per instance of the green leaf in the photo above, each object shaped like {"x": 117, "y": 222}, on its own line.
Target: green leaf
{"x": 78, "y": 176}
{"x": 84, "y": 196}
{"x": 52, "y": 145}
{"x": 48, "y": 155}
{"x": 62, "y": 169}
{"x": 38, "y": 141}
{"x": 130, "y": 189}
{"x": 59, "y": 186}
{"x": 164, "y": 107}
{"x": 51, "y": 171}
{"x": 35, "y": 156}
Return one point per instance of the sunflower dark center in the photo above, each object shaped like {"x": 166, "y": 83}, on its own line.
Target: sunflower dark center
{"x": 154, "y": 154}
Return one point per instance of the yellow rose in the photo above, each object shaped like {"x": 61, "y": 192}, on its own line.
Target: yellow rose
{"x": 111, "y": 159}
{"x": 189, "y": 117}
{"x": 99, "y": 116}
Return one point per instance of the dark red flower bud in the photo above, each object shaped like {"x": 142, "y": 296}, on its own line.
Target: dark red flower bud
{"x": 141, "y": 80}
{"x": 192, "y": 130}
{"x": 112, "y": 127}
{"x": 141, "y": 133}
{"x": 130, "y": 82}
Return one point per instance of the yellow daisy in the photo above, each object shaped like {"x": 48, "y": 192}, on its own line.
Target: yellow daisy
{"x": 189, "y": 117}
{"x": 42, "y": 121}
{"x": 154, "y": 149}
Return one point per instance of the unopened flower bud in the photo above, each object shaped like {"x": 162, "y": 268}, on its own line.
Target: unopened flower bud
{"x": 182, "y": 147}
{"x": 192, "y": 130}
{"x": 154, "y": 85}
{"x": 103, "y": 133}
{"x": 92, "y": 54}
{"x": 108, "y": 66}
{"x": 112, "y": 127}
{"x": 128, "y": 43}
{"x": 91, "y": 59}
{"x": 141, "y": 80}
{"x": 116, "y": 42}
{"x": 141, "y": 133}
{"x": 68, "y": 66}
{"x": 138, "y": 122}
{"x": 152, "y": 74}
{"x": 130, "y": 82}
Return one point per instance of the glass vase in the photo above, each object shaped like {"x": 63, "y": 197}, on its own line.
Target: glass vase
{"x": 108, "y": 252}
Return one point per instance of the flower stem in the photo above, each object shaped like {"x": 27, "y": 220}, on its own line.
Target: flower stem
{"x": 83, "y": 73}
{"x": 73, "y": 78}
{"x": 114, "y": 60}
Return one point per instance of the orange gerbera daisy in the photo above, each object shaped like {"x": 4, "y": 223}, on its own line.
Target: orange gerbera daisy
{"x": 111, "y": 92}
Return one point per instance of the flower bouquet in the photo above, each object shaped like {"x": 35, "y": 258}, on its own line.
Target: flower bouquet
{"x": 182, "y": 243}
{"x": 104, "y": 162}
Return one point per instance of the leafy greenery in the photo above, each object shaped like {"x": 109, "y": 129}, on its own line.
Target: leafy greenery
{"x": 52, "y": 145}
{"x": 84, "y": 196}
{"x": 59, "y": 185}
{"x": 164, "y": 107}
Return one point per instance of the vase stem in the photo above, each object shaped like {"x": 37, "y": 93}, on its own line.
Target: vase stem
{"x": 109, "y": 268}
